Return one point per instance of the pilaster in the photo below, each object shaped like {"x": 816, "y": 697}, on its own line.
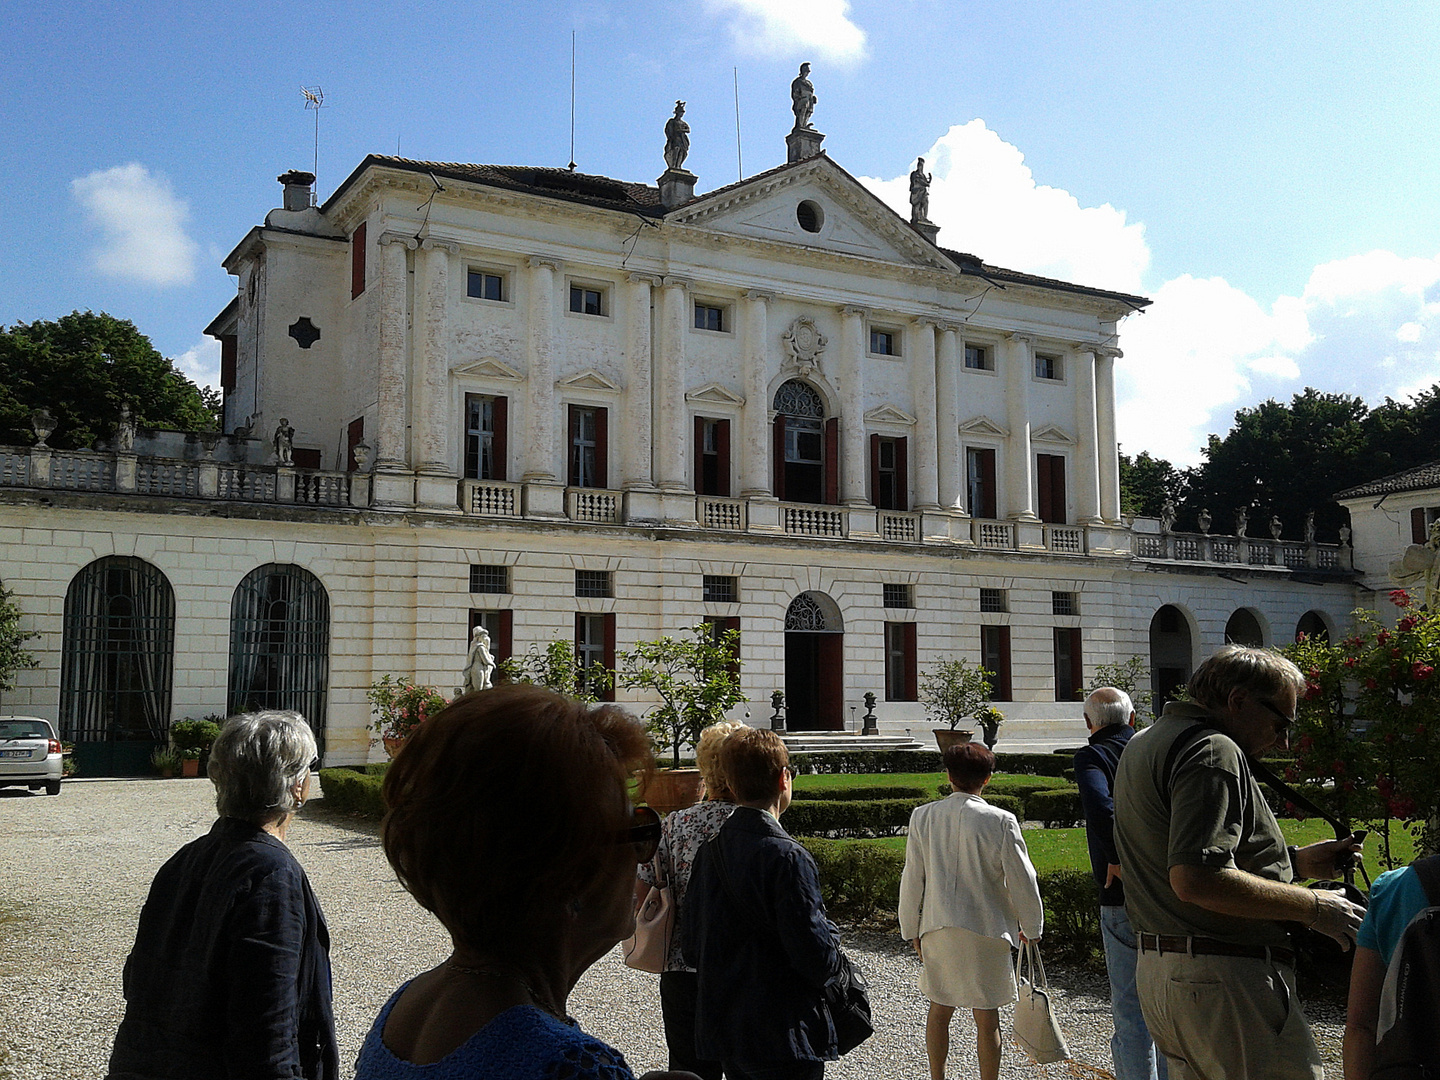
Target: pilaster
{"x": 755, "y": 420}
{"x": 540, "y": 381}
{"x": 949, "y": 473}
{"x": 432, "y": 360}
{"x": 637, "y": 433}
{"x": 1107, "y": 449}
{"x": 923, "y": 387}
{"x": 1087, "y": 464}
{"x": 391, "y": 456}
{"x": 854, "y": 458}
{"x": 1019, "y": 489}
{"x": 670, "y": 378}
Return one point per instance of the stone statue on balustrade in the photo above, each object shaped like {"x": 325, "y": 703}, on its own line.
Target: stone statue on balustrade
{"x": 677, "y": 138}
{"x": 1276, "y": 527}
{"x": 125, "y": 431}
{"x": 284, "y": 441}
{"x": 1167, "y": 516}
{"x": 1310, "y": 527}
{"x": 1242, "y": 520}
{"x": 803, "y": 99}
{"x": 1202, "y": 521}
{"x": 920, "y": 194}
{"x": 479, "y": 662}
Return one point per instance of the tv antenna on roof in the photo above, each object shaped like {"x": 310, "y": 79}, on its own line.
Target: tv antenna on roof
{"x": 315, "y": 99}
{"x": 572, "y": 100}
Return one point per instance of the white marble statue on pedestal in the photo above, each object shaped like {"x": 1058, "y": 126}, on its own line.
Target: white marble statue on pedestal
{"x": 284, "y": 443}
{"x": 919, "y": 193}
{"x": 479, "y": 663}
{"x": 803, "y": 99}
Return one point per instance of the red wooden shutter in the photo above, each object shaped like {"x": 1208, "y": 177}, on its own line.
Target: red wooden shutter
{"x": 902, "y": 480}
{"x": 911, "y": 689}
{"x": 1057, "y": 490}
{"x": 1417, "y": 525}
{"x": 354, "y": 436}
{"x": 722, "y": 470}
{"x": 832, "y": 461}
{"x": 602, "y": 451}
{"x": 875, "y": 470}
{"x": 987, "y": 482}
{"x": 357, "y": 261}
{"x": 1002, "y": 690}
{"x": 572, "y": 457}
{"x": 228, "y": 353}
{"x": 500, "y": 441}
{"x": 503, "y": 646}
{"x": 609, "y": 695}
{"x": 1077, "y": 663}
{"x": 699, "y": 456}
{"x": 1042, "y": 486}
{"x": 777, "y": 449}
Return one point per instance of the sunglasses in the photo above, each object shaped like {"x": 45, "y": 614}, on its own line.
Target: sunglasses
{"x": 643, "y": 834}
{"x": 1285, "y": 721}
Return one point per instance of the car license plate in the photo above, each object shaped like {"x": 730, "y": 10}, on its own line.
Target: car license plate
{"x": 15, "y": 753}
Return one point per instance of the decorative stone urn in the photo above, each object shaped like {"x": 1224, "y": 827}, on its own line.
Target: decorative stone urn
{"x": 948, "y": 737}
{"x": 43, "y": 424}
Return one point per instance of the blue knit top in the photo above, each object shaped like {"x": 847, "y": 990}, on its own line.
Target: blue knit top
{"x": 522, "y": 1043}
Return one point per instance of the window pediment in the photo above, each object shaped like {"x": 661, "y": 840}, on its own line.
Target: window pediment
{"x": 714, "y": 394}
{"x": 1052, "y": 433}
{"x": 983, "y": 425}
{"x": 489, "y": 368}
{"x": 889, "y": 414}
{"x": 589, "y": 379}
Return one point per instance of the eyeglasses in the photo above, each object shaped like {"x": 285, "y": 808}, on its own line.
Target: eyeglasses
{"x": 1283, "y": 727}
{"x": 791, "y": 771}
{"x": 643, "y": 834}
{"x": 314, "y": 766}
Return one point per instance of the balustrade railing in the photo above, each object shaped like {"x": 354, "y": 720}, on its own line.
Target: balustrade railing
{"x": 14, "y": 469}
{"x": 994, "y": 534}
{"x": 714, "y": 513}
{"x": 813, "y": 521}
{"x": 248, "y": 483}
{"x": 176, "y": 479}
{"x": 594, "y": 505}
{"x": 491, "y": 498}
{"x": 1065, "y": 539}
{"x": 322, "y": 488}
{"x": 900, "y": 528}
{"x": 1238, "y": 550}
{"x": 82, "y": 472}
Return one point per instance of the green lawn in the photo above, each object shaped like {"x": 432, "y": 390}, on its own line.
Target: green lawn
{"x": 1001, "y": 784}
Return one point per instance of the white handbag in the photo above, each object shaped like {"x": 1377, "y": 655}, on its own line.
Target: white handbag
{"x": 647, "y": 948}
{"x": 1035, "y": 1028}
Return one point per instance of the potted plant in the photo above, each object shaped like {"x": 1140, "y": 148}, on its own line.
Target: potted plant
{"x": 953, "y": 691}
{"x": 697, "y": 681}
{"x": 166, "y": 761}
{"x": 990, "y": 719}
{"x": 399, "y": 707}
{"x": 191, "y": 739}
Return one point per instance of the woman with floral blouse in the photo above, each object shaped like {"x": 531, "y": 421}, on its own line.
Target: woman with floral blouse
{"x": 682, "y": 835}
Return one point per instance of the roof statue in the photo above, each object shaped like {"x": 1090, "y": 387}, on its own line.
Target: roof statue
{"x": 803, "y": 99}
{"x": 919, "y": 194}
{"x": 677, "y": 138}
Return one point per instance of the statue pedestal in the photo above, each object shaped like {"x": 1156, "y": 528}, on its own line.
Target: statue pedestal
{"x": 676, "y": 186}
{"x": 802, "y": 143}
{"x": 928, "y": 229}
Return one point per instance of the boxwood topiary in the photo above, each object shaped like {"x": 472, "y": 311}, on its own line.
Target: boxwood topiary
{"x": 876, "y": 791}
{"x": 1058, "y": 809}
{"x": 352, "y": 792}
{"x": 849, "y": 818}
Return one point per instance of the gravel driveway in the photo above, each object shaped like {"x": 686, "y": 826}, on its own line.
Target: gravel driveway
{"x": 77, "y": 868}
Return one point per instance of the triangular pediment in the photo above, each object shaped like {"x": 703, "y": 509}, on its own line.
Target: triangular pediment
{"x": 713, "y": 394}
{"x": 889, "y": 414}
{"x": 851, "y": 219}
{"x": 488, "y": 368}
{"x": 589, "y": 379}
{"x": 1051, "y": 433}
{"x": 983, "y": 425}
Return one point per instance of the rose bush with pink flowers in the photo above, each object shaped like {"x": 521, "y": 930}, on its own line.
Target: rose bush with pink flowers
{"x": 400, "y": 706}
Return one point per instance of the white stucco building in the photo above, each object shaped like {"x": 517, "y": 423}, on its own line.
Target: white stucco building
{"x": 563, "y": 405}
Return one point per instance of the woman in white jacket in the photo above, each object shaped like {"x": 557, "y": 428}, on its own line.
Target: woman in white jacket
{"x": 968, "y": 895}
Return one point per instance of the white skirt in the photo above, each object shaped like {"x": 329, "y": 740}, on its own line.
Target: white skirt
{"x": 965, "y": 970}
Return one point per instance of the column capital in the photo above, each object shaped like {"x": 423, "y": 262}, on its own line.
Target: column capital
{"x": 948, "y": 326}
{"x": 1110, "y": 352}
{"x": 436, "y": 243}
{"x": 759, "y": 295}
{"x": 634, "y": 278}
{"x": 931, "y": 321}
{"x": 1021, "y": 339}
{"x": 385, "y": 239}
{"x": 855, "y": 309}
{"x": 545, "y": 262}
{"x": 670, "y": 282}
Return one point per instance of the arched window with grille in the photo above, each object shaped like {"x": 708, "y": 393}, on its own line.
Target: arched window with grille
{"x": 806, "y": 446}
{"x": 117, "y": 664}
{"x": 280, "y": 643}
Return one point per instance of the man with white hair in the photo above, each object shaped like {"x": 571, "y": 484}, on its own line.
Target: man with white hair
{"x": 1110, "y": 718}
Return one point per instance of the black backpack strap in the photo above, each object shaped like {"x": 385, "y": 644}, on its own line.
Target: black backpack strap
{"x": 1428, "y": 871}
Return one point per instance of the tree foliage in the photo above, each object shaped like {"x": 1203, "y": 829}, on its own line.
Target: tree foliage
{"x": 83, "y": 367}
{"x": 13, "y": 655}
{"x": 697, "y": 681}
{"x": 1146, "y": 482}
{"x": 1132, "y": 675}
{"x": 557, "y": 668}
{"x": 953, "y": 691}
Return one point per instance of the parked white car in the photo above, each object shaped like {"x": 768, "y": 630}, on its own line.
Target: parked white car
{"x": 30, "y": 754}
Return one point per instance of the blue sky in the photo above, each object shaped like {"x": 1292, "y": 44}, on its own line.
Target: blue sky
{"x": 1269, "y": 173}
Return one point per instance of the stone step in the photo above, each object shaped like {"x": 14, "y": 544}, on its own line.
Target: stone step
{"x": 821, "y": 742}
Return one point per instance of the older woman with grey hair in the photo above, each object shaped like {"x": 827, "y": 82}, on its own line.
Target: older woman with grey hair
{"x": 230, "y": 973}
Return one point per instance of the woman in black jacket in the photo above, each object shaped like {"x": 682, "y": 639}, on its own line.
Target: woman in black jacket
{"x": 230, "y": 973}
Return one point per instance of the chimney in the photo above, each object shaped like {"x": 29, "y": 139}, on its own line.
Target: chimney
{"x": 297, "y": 189}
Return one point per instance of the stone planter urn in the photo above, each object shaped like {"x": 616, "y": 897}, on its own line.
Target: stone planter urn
{"x": 668, "y": 790}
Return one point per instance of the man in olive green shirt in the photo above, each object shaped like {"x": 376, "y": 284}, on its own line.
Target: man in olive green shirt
{"x": 1208, "y": 878}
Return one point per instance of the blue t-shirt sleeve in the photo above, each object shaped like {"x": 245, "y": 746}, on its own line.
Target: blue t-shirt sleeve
{"x": 1396, "y": 897}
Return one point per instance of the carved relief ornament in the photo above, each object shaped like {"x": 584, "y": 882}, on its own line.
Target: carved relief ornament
{"x": 804, "y": 342}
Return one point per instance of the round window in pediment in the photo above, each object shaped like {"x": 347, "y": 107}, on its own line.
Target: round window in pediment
{"x": 810, "y": 216}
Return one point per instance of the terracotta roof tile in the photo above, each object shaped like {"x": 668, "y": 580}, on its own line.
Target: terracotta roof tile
{"x": 1416, "y": 479}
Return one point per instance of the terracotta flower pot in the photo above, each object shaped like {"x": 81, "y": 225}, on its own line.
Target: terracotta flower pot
{"x": 392, "y": 745}
{"x": 190, "y": 766}
{"x": 671, "y": 789}
{"x": 947, "y": 737}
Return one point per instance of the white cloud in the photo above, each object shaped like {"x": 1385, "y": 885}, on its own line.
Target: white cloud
{"x": 201, "y": 362}
{"x": 142, "y": 225}
{"x": 780, "y": 28}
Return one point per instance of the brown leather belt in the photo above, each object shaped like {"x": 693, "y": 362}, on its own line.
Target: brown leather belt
{"x": 1202, "y": 946}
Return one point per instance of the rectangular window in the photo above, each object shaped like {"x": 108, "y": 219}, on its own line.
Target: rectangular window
{"x": 357, "y": 261}
{"x": 593, "y": 583}
{"x": 980, "y": 480}
{"x": 883, "y": 342}
{"x": 719, "y": 625}
{"x": 1064, "y": 603}
{"x": 720, "y": 590}
{"x": 595, "y": 647}
{"x": 709, "y": 317}
{"x": 485, "y": 285}
{"x": 712, "y": 456}
{"x": 993, "y": 600}
{"x": 995, "y": 658}
{"x": 587, "y": 301}
{"x": 1047, "y": 367}
{"x": 900, "y": 665}
{"x": 1069, "y": 667}
{"x": 485, "y": 437}
{"x": 588, "y": 453}
{"x": 898, "y": 596}
{"x": 499, "y": 626}
{"x": 1050, "y": 488}
{"x": 889, "y": 486}
{"x": 977, "y": 358}
{"x": 489, "y": 578}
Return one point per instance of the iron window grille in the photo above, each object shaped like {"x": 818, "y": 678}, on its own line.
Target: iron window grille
{"x": 898, "y": 596}
{"x": 593, "y": 583}
{"x": 489, "y": 579}
{"x": 1064, "y": 603}
{"x": 720, "y": 590}
{"x": 993, "y": 600}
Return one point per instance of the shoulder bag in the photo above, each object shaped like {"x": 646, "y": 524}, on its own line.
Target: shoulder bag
{"x": 648, "y": 948}
{"x": 1036, "y": 1029}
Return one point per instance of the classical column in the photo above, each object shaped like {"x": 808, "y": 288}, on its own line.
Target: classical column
{"x": 540, "y": 374}
{"x": 1019, "y": 490}
{"x": 1087, "y": 463}
{"x": 950, "y": 475}
{"x": 923, "y": 385}
{"x": 854, "y": 454}
{"x": 1107, "y": 449}
{"x": 671, "y": 438}
{"x": 636, "y": 433}
{"x": 755, "y": 421}
{"x": 390, "y": 394}
{"x": 432, "y": 360}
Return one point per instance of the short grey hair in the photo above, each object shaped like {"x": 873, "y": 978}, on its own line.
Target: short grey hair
{"x": 1108, "y": 705}
{"x": 1236, "y": 667}
{"x": 256, "y": 761}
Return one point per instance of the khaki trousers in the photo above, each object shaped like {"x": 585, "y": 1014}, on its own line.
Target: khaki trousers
{"x": 1226, "y": 1018}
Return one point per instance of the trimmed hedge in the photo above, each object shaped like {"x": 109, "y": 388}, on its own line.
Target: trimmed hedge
{"x": 849, "y": 817}
{"x": 353, "y": 792}
{"x": 1058, "y": 809}
{"x": 878, "y": 791}
{"x": 910, "y": 761}
{"x": 1052, "y": 764}
{"x": 1013, "y": 803}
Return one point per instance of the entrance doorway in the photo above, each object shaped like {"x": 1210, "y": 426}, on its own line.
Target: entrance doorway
{"x": 814, "y": 664}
